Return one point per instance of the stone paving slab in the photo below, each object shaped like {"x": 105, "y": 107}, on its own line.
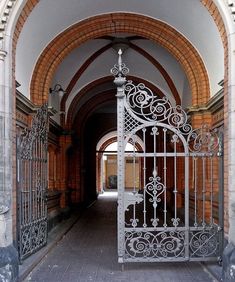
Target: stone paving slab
{"x": 88, "y": 252}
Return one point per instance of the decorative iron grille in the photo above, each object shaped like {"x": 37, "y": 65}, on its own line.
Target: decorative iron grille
{"x": 32, "y": 185}
{"x": 177, "y": 215}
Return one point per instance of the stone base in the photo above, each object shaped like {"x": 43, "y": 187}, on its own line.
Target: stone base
{"x": 229, "y": 263}
{"x": 9, "y": 265}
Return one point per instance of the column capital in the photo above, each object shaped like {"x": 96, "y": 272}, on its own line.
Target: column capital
{"x": 3, "y": 54}
{"x": 3, "y": 209}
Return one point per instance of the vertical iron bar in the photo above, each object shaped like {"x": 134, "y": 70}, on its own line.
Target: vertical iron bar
{"x": 19, "y": 195}
{"x": 155, "y": 172}
{"x": 44, "y": 191}
{"x": 134, "y": 163}
{"x": 195, "y": 192}
{"x": 221, "y": 195}
{"x": 42, "y": 186}
{"x": 35, "y": 157}
{"x": 186, "y": 202}
{"x": 175, "y": 180}
{"x": 37, "y": 171}
{"x": 24, "y": 192}
{"x": 40, "y": 175}
{"x": 133, "y": 172}
{"x": 211, "y": 190}
{"x": 35, "y": 177}
{"x": 144, "y": 169}
{"x": 165, "y": 169}
{"x": 30, "y": 199}
{"x": 203, "y": 191}
{"x": 22, "y": 202}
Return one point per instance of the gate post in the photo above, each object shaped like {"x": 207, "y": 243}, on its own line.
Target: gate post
{"x": 8, "y": 253}
{"x": 119, "y": 71}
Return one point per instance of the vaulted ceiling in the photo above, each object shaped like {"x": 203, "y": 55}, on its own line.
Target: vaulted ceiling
{"x": 92, "y": 60}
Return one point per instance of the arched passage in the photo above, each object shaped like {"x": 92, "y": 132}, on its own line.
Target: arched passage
{"x": 106, "y": 162}
{"x": 210, "y": 6}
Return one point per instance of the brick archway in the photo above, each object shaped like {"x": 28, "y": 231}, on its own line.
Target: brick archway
{"x": 97, "y": 26}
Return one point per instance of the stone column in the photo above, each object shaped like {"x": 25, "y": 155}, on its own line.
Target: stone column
{"x": 8, "y": 254}
{"x": 229, "y": 252}
{"x": 231, "y": 139}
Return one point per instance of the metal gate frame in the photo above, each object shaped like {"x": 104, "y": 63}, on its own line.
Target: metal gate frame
{"x": 32, "y": 185}
{"x": 199, "y": 238}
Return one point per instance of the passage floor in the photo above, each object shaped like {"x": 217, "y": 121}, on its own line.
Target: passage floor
{"x": 88, "y": 252}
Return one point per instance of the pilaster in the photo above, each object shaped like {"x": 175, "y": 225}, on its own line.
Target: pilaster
{"x": 8, "y": 254}
{"x": 229, "y": 175}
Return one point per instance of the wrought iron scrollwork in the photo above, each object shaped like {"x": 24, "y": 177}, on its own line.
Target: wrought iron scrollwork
{"x": 154, "y": 245}
{"x": 32, "y": 184}
{"x": 173, "y": 216}
{"x": 145, "y": 106}
{"x": 204, "y": 243}
{"x": 37, "y": 130}
{"x": 144, "y": 103}
{"x": 203, "y": 140}
{"x": 154, "y": 188}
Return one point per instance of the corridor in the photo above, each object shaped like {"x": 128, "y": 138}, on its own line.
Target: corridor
{"x": 88, "y": 253}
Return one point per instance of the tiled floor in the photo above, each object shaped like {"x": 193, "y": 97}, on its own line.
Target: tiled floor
{"x": 88, "y": 253}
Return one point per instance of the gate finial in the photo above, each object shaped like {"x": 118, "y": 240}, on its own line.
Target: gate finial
{"x": 120, "y": 70}
{"x": 120, "y": 60}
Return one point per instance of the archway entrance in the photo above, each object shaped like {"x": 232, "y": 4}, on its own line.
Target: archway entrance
{"x": 141, "y": 25}
{"x": 106, "y": 164}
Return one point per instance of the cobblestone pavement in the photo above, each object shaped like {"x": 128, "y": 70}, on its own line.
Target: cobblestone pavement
{"x": 88, "y": 253}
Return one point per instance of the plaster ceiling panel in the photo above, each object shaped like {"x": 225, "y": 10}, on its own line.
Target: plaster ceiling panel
{"x": 137, "y": 64}
{"x": 71, "y": 64}
{"x": 169, "y": 63}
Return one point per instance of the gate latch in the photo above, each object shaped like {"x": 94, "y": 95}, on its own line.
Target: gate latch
{"x": 132, "y": 199}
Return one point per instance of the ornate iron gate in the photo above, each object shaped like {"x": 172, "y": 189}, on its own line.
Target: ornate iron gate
{"x": 32, "y": 185}
{"x": 177, "y": 215}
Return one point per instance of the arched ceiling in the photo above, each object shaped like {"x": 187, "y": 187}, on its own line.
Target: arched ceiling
{"x": 189, "y": 17}
{"x": 139, "y": 66}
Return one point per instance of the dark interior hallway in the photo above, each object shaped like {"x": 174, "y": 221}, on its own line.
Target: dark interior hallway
{"x": 88, "y": 252}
